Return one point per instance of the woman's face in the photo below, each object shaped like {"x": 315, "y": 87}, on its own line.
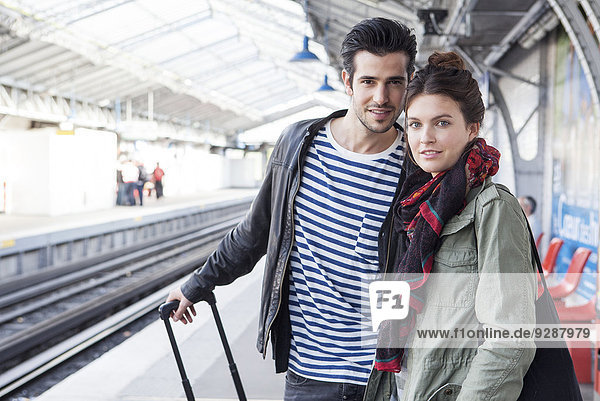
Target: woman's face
{"x": 437, "y": 132}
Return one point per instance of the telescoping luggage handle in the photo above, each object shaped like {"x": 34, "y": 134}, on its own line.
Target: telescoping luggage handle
{"x": 165, "y": 311}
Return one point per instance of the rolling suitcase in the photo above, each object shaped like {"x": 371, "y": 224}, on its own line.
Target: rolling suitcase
{"x": 165, "y": 313}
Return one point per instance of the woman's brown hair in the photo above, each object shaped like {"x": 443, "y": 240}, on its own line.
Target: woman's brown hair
{"x": 445, "y": 74}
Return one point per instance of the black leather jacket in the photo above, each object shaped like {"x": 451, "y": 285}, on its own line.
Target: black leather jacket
{"x": 268, "y": 228}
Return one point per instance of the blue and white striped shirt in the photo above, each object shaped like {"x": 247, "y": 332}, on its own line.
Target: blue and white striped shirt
{"x": 341, "y": 203}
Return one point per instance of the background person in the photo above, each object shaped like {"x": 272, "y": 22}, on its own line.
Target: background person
{"x": 157, "y": 176}
{"x": 130, "y": 175}
{"x": 141, "y": 180}
{"x": 529, "y": 206}
{"x": 327, "y": 192}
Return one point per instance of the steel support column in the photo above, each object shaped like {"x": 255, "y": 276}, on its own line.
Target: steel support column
{"x": 510, "y": 128}
{"x": 592, "y": 10}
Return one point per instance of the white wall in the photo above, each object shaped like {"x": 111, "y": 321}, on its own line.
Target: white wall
{"x": 243, "y": 171}
{"x": 50, "y": 174}
{"x": 192, "y": 169}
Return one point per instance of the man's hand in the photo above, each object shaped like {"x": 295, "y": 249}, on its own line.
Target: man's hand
{"x": 186, "y": 309}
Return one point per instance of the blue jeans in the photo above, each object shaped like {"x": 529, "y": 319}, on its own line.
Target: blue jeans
{"x": 298, "y": 388}
{"x": 140, "y": 189}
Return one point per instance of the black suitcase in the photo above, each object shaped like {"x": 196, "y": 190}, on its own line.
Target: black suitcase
{"x": 165, "y": 311}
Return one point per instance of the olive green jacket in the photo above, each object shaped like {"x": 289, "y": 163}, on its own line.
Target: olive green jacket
{"x": 488, "y": 237}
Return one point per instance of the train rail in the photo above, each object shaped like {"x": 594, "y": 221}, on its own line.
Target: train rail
{"x": 65, "y": 312}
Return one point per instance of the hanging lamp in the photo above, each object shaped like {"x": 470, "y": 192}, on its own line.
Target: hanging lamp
{"x": 305, "y": 54}
{"x": 325, "y": 87}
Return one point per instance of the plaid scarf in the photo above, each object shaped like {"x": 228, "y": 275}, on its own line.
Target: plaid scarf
{"x": 425, "y": 204}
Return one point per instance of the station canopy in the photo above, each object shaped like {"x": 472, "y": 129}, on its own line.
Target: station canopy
{"x": 223, "y": 65}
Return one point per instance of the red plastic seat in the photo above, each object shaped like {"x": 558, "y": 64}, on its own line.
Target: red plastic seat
{"x": 578, "y": 313}
{"x": 569, "y": 283}
{"x": 538, "y": 240}
{"x": 550, "y": 258}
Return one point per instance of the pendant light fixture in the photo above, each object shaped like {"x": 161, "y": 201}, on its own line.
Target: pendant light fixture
{"x": 305, "y": 54}
{"x": 326, "y": 87}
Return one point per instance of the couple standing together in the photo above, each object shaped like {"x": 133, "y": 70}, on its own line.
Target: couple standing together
{"x": 356, "y": 194}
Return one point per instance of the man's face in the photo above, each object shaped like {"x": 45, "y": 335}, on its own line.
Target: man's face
{"x": 378, "y": 88}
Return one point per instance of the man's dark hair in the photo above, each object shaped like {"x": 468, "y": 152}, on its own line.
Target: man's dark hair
{"x": 379, "y": 36}
{"x": 532, "y": 203}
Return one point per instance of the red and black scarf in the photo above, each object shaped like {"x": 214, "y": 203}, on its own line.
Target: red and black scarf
{"x": 425, "y": 204}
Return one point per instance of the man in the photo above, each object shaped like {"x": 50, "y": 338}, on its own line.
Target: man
{"x": 130, "y": 176}
{"x": 529, "y": 205}
{"x": 158, "y": 175}
{"x": 141, "y": 180}
{"x": 327, "y": 192}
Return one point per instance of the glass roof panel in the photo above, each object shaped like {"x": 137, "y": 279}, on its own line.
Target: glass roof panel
{"x": 227, "y": 53}
{"x": 109, "y": 25}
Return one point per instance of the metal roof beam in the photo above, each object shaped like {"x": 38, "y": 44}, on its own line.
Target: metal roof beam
{"x": 28, "y": 61}
{"x": 178, "y": 102}
{"x": 533, "y": 14}
{"x": 199, "y": 49}
{"x": 58, "y": 73}
{"x": 228, "y": 68}
{"x": 18, "y": 52}
{"x": 161, "y": 30}
{"x": 81, "y": 82}
{"x": 268, "y": 102}
{"x": 122, "y": 89}
{"x": 292, "y": 110}
{"x": 91, "y": 14}
{"x": 456, "y": 18}
{"x": 105, "y": 55}
{"x": 503, "y": 73}
{"x": 74, "y": 77}
{"x": 244, "y": 11}
{"x": 253, "y": 96}
{"x": 10, "y": 67}
{"x": 53, "y": 109}
{"x": 255, "y": 77}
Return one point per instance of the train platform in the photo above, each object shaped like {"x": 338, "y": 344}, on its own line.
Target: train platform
{"x": 30, "y": 244}
{"x": 143, "y": 367}
{"x": 13, "y": 227}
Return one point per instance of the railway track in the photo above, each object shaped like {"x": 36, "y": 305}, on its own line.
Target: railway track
{"x": 56, "y": 317}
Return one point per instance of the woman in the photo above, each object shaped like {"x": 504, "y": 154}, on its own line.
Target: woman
{"x": 460, "y": 235}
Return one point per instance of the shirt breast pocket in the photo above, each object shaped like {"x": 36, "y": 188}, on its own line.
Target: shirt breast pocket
{"x": 366, "y": 243}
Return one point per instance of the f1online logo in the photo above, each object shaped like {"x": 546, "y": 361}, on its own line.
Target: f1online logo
{"x": 388, "y": 300}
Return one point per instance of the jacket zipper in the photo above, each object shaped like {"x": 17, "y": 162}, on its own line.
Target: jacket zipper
{"x": 268, "y": 331}
{"x": 387, "y": 257}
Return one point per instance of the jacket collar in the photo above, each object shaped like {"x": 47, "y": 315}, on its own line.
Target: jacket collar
{"x": 467, "y": 216}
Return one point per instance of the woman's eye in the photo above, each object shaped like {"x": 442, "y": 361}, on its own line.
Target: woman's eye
{"x": 443, "y": 123}
{"x": 414, "y": 125}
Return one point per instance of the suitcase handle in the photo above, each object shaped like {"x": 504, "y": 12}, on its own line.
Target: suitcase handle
{"x": 165, "y": 311}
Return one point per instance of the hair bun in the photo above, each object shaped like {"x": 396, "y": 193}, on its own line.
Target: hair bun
{"x": 446, "y": 60}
